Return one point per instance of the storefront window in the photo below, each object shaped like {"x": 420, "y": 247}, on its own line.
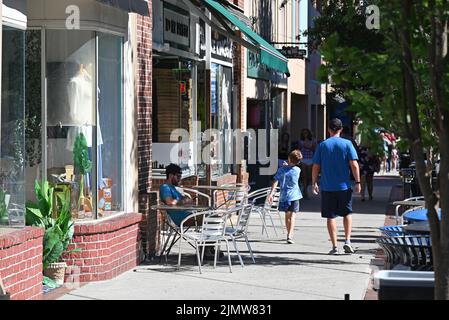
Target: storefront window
{"x": 110, "y": 123}
{"x": 12, "y": 132}
{"x": 33, "y": 111}
{"x": 84, "y": 112}
{"x": 173, "y": 108}
{"x": 221, "y": 107}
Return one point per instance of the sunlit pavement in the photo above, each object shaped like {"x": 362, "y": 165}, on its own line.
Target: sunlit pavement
{"x": 284, "y": 271}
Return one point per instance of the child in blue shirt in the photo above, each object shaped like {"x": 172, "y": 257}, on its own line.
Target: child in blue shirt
{"x": 287, "y": 177}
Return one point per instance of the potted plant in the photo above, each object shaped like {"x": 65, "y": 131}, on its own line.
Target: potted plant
{"x": 4, "y": 199}
{"x": 59, "y": 229}
{"x": 82, "y": 165}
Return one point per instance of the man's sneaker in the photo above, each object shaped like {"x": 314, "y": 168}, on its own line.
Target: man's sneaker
{"x": 289, "y": 240}
{"x": 334, "y": 251}
{"x": 348, "y": 248}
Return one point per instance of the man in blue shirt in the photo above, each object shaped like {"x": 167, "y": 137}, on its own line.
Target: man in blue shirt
{"x": 170, "y": 196}
{"x": 334, "y": 158}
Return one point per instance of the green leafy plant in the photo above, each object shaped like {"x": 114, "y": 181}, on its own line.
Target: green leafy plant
{"x": 57, "y": 222}
{"x": 3, "y": 192}
{"x": 81, "y": 161}
{"x": 3, "y": 208}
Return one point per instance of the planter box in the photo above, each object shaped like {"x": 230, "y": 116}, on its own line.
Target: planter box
{"x": 404, "y": 285}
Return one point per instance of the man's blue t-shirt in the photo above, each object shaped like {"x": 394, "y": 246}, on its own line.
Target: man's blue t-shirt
{"x": 169, "y": 191}
{"x": 288, "y": 181}
{"x": 333, "y": 155}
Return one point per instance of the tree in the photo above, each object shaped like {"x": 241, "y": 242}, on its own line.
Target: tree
{"x": 397, "y": 78}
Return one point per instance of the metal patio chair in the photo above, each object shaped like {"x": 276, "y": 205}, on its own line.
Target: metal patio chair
{"x": 240, "y": 230}
{"x": 269, "y": 210}
{"x": 211, "y": 233}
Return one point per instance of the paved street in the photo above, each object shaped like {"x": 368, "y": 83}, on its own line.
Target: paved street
{"x": 282, "y": 271}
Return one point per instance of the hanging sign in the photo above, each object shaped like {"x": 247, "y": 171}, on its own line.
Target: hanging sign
{"x": 176, "y": 28}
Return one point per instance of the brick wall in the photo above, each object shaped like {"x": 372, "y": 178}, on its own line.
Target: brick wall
{"x": 144, "y": 102}
{"x": 108, "y": 248}
{"x": 21, "y": 263}
{"x": 144, "y": 92}
{"x": 150, "y": 225}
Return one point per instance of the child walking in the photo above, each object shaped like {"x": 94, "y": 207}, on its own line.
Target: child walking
{"x": 288, "y": 176}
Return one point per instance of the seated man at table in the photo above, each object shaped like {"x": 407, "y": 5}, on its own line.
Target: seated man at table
{"x": 171, "y": 196}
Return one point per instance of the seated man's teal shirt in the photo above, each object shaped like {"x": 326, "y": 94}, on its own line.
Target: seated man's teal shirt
{"x": 169, "y": 191}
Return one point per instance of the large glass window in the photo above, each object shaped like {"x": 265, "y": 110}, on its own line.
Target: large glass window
{"x": 83, "y": 126}
{"x": 33, "y": 111}
{"x": 221, "y": 115}
{"x": 173, "y": 108}
{"x": 110, "y": 123}
{"x": 12, "y": 132}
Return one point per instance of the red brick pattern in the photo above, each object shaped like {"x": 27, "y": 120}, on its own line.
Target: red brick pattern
{"x": 108, "y": 248}
{"x": 21, "y": 263}
{"x": 144, "y": 93}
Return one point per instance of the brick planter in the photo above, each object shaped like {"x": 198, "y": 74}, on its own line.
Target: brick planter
{"x": 21, "y": 263}
{"x": 108, "y": 248}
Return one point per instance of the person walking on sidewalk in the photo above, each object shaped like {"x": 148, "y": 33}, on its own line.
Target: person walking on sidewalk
{"x": 333, "y": 158}
{"x": 287, "y": 177}
{"x": 369, "y": 164}
{"x": 307, "y": 146}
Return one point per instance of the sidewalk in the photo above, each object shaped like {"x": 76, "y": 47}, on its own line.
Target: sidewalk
{"x": 282, "y": 271}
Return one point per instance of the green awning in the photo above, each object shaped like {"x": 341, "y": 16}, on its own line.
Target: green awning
{"x": 269, "y": 55}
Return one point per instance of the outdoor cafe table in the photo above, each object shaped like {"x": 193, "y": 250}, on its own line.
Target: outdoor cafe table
{"x": 411, "y": 203}
{"x": 189, "y": 208}
{"x": 418, "y": 215}
{"x": 421, "y": 227}
{"x": 219, "y": 188}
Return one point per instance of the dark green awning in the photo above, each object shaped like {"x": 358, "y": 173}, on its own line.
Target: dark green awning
{"x": 136, "y": 6}
{"x": 269, "y": 55}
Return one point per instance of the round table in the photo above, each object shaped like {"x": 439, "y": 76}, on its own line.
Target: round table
{"x": 418, "y": 215}
{"x": 420, "y": 227}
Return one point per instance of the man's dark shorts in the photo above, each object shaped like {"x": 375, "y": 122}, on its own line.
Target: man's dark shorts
{"x": 290, "y": 206}
{"x": 336, "y": 203}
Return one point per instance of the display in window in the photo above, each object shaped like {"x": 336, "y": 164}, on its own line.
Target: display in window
{"x": 12, "y": 129}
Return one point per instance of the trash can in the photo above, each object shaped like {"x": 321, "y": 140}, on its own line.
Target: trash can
{"x": 404, "y": 285}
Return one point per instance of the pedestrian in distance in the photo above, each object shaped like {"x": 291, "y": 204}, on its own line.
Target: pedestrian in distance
{"x": 334, "y": 158}
{"x": 369, "y": 164}
{"x": 307, "y": 145}
{"x": 287, "y": 177}
{"x": 283, "y": 149}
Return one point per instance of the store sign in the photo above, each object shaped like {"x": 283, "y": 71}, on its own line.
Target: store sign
{"x": 257, "y": 70}
{"x": 176, "y": 28}
{"x": 182, "y": 87}
{"x": 221, "y": 46}
{"x": 202, "y": 38}
{"x": 293, "y": 52}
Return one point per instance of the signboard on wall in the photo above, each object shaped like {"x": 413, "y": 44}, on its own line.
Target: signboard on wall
{"x": 258, "y": 70}
{"x": 176, "y": 27}
{"x": 221, "y": 47}
{"x": 293, "y": 52}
